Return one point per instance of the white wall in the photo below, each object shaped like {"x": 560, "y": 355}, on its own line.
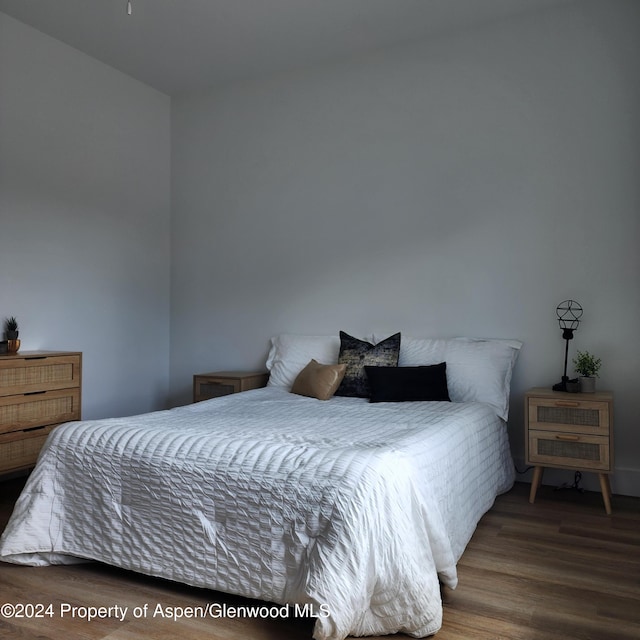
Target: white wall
{"x": 84, "y": 217}
{"x": 460, "y": 187}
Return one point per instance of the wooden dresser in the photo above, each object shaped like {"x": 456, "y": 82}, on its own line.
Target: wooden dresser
{"x": 38, "y": 391}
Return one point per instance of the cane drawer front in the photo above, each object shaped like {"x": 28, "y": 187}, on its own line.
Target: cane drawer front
{"x": 39, "y": 373}
{"x": 38, "y": 409}
{"x": 22, "y": 453}
{"x": 569, "y": 450}
{"x": 583, "y": 416}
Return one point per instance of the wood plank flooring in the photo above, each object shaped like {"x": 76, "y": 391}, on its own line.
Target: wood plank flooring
{"x": 560, "y": 569}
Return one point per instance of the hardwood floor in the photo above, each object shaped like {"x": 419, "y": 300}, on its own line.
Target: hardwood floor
{"x": 560, "y": 569}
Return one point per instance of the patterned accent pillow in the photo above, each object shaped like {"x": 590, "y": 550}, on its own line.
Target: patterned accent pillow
{"x": 357, "y": 354}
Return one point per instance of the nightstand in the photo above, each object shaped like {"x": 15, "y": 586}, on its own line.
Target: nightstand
{"x": 570, "y": 431}
{"x": 223, "y": 383}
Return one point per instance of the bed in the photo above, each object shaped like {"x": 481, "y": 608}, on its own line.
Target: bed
{"x": 358, "y": 509}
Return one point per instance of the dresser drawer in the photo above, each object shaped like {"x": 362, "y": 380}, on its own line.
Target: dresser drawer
{"x": 38, "y": 409}
{"x": 20, "y": 450}
{"x": 562, "y": 415}
{"x": 39, "y": 373}
{"x": 569, "y": 450}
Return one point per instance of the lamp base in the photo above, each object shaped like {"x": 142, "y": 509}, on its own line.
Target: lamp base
{"x": 566, "y": 385}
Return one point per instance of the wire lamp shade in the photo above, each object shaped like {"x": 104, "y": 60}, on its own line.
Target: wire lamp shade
{"x": 569, "y": 313}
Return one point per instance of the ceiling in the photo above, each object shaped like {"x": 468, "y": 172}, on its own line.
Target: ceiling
{"x": 189, "y": 45}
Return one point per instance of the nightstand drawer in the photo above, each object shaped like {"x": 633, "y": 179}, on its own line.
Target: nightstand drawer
{"x": 207, "y": 386}
{"x": 569, "y": 450}
{"x": 206, "y": 389}
{"x": 582, "y": 416}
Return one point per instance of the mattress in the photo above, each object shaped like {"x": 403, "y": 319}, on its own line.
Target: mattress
{"x": 359, "y": 509}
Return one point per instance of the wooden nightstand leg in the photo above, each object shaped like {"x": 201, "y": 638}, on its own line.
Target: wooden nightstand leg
{"x": 608, "y": 477}
{"x": 606, "y": 492}
{"x": 535, "y": 483}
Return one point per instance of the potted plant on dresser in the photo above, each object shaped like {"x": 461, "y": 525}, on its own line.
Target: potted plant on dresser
{"x": 587, "y": 365}
{"x": 11, "y": 333}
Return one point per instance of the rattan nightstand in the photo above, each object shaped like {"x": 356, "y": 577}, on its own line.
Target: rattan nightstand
{"x": 570, "y": 431}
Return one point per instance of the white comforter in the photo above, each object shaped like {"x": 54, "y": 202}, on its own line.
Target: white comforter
{"x": 354, "y": 506}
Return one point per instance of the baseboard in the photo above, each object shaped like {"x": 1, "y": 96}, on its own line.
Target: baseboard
{"x": 624, "y": 482}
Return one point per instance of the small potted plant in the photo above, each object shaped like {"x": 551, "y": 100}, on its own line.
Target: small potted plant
{"x": 587, "y": 365}
{"x": 12, "y": 333}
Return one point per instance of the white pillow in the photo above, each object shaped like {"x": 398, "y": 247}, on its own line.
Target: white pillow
{"x": 478, "y": 370}
{"x": 291, "y": 353}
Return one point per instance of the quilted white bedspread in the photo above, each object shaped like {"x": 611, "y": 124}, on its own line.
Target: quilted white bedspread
{"x": 355, "y": 506}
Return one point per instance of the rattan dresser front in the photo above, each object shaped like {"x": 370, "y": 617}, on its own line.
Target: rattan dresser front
{"x": 570, "y": 431}
{"x": 38, "y": 391}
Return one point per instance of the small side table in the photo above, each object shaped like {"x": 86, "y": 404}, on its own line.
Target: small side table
{"x": 223, "y": 383}
{"x": 570, "y": 431}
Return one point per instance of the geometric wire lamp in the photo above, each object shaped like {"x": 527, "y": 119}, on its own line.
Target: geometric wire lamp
{"x": 569, "y": 313}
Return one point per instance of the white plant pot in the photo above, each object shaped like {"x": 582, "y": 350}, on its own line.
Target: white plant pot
{"x": 587, "y": 384}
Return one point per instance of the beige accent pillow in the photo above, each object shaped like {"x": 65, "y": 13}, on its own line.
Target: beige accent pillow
{"x": 319, "y": 380}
